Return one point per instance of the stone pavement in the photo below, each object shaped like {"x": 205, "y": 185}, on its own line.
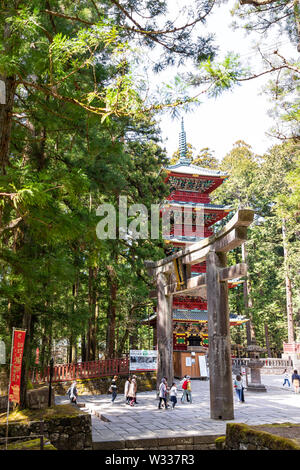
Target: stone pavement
{"x": 118, "y": 421}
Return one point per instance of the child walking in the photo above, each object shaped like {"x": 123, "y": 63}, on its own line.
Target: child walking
{"x": 113, "y": 389}
{"x": 173, "y": 395}
{"x": 286, "y": 378}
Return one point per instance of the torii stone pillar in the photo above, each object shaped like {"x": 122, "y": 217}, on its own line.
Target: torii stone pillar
{"x": 164, "y": 332}
{"x": 220, "y": 369}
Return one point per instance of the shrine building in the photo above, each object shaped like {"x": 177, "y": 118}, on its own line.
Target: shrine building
{"x": 190, "y": 193}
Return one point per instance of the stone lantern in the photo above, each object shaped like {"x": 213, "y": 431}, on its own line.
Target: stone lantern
{"x": 255, "y": 364}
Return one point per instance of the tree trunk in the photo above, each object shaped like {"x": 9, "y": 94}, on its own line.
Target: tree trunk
{"x": 6, "y": 121}
{"x": 164, "y": 333}
{"x": 83, "y": 348}
{"x": 122, "y": 342}
{"x": 288, "y": 287}
{"x": 92, "y": 340}
{"x": 251, "y": 339}
{"x": 6, "y": 109}
{"x": 45, "y": 335}
{"x": 111, "y": 313}
{"x": 73, "y": 337}
{"x": 267, "y": 340}
{"x": 297, "y": 21}
{"x": 133, "y": 341}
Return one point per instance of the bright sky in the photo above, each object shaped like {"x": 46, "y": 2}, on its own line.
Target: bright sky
{"x": 240, "y": 114}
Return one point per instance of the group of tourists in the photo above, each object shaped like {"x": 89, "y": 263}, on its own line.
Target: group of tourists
{"x": 295, "y": 380}
{"x": 130, "y": 390}
{"x": 166, "y": 394}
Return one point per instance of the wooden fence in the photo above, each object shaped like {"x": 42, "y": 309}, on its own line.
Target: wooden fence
{"x": 109, "y": 367}
{"x": 81, "y": 370}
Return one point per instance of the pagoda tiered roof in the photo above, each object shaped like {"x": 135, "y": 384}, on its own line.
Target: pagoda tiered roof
{"x": 190, "y": 187}
{"x": 186, "y": 169}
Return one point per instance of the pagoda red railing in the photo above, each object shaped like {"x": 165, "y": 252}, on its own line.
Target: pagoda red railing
{"x": 81, "y": 370}
{"x": 188, "y": 196}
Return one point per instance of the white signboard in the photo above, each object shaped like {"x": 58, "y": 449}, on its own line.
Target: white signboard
{"x": 202, "y": 366}
{"x": 144, "y": 359}
{"x": 188, "y": 362}
{"x": 2, "y": 352}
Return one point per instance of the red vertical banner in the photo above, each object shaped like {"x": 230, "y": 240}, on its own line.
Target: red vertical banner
{"x": 37, "y": 355}
{"x": 16, "y": 365}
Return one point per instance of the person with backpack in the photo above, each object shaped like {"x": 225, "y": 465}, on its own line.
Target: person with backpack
{"x": 189, "y": 389}
{"x": 184, "y": 389}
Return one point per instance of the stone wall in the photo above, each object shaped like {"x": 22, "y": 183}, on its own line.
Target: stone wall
{"x": 239, "y": 436}
{"x": 36, "y": 399}
{"x": 206, "y": 442}
{"x": 64, "y": 432}
{"x": 39, "y": 398}
{"x": 146, "y": 381}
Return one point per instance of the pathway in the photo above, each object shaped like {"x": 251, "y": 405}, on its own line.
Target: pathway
{"x": 144, "y": 420}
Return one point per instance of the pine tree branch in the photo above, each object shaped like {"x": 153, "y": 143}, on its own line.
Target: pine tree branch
{"x": 257, "y": 3}
{"x": 11, "y": 224}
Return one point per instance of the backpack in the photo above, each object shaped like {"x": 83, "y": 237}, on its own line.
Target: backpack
{"x": 184, "y": 385}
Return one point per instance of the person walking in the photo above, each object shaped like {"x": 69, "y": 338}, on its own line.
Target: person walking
{"x": 163, "y": 394}
{"x": 131, "y": 392}
{"x": 73, "y": 393}
{"x": 189, "y": 389}
{"x": 184, "y": 390}
{"x": 184, "y": 395}
{"x": 286, "y": 378}
{"x": 296, "y": 381}
{"x": 173, "y": 395}
{"x": 167, "y": 391}
{"x": 134, "y": 380}
{"x": 113, "y": 388}
{"x": 126, "y": 390}
{"x": 238, "y": 386}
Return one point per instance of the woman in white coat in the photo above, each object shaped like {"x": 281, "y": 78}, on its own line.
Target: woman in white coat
{"x": 131, "y": 392}
{"x": 126, "y": 390}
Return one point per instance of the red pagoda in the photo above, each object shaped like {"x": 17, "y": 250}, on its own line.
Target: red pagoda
{"x": 190, "y": 190}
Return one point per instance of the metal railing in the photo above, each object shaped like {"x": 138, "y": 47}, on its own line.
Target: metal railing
{"x": 30, "y": 437}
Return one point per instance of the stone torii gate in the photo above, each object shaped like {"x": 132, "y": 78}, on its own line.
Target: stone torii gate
{"x": 212, "y": 286}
